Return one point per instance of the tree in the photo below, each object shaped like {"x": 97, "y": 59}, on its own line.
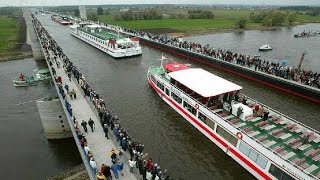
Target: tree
{"x": 292, "y": 17}
{"x": 241, "y": 23}
{"x": 92, "y": 16}
{"x": 278, "y": 18}
{"x": 100, "y": 11}
{"x": 266, "y": 21}
{"x": 76, "y": 12}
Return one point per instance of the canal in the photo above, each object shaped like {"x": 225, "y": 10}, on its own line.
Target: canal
{"x": 168, "y": 138}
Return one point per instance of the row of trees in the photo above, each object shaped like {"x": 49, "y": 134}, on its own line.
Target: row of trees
{"x": 200, "y": 14}
{"x": 273, "y": 18}
{"x": 138, "y": 15}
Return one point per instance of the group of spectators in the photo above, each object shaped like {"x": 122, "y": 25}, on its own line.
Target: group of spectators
{"x": 306, "y": 77}
{"x": 148, "y": 169}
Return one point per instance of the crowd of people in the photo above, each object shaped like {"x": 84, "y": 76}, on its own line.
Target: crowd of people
{"x": 139, "y": 161}
{"x": 307, "y": 77}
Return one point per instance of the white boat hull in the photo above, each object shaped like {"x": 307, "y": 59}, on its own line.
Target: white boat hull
{"x": 110, "y": 51}
{"x": 214, "y": 137}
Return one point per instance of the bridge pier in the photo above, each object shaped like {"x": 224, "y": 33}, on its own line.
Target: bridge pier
{"x": 53, "y": 118}
{"x": 32, "y": 38}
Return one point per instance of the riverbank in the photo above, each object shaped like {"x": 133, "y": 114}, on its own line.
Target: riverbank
{"x": 13, "y": 36}
{"x": 224, "y": 21}
{"x": 204, "y": 31}
{"x": 23, "y": 55}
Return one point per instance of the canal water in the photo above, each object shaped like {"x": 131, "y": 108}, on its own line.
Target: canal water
{"x": 285, "y": 46}
{"x": 168, "y": 138}
{"x": 25, "y": 152}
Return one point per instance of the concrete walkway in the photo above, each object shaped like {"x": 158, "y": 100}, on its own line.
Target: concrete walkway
{"x": 99, "y": 145}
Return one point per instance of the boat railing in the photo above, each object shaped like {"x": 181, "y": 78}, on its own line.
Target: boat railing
{"x": 251, "y": 137}
{"x": 283, "y": 115}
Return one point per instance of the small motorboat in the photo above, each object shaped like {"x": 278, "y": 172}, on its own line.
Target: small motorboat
{"x": 265, "y": 47}
{"x": 23, "y": 81}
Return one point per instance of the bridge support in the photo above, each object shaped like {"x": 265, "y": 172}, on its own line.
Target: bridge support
{"x": 53, "y": 118}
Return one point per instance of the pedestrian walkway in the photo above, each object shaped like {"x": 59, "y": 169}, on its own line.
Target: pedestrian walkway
{"x": 99, "y": 145}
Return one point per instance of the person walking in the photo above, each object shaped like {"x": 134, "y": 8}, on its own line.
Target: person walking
{"x": 74, "y": 94}
{"x": 132, "y": 164}
{"x": 120, "y": 167}
{"x": 113, "y": 156}
{"x": 105, "y": 169}
{"x": 93, "y": 165}
{"x": 114, "y": 169}
{"x": 66, "y": 86}
{"x": 84, "y": 125}
{"x": 91, "y": 124}
{"x": 105, "y": 129}
{"x": 69, "y": 76}
{"x": 100, "y": 176}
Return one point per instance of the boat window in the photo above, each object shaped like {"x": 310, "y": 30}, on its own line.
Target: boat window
{"x": 278, "y": 173}
{"x": 160, "y": 85}
{"x": 285, "y": 176}
{"x": 167, "y": 92}
{"x": 176, "y": 98}
{"x": 189, "y": 108}
{"x": 253, "y": 155}
{"x": 202, "y": 117}
{"x": 244, "y": 149}
{"x": 227, "y": 136}
{"x": 261, "y": 161}
{"x": 210, "y": 123}
{"x": 152, "y": 79}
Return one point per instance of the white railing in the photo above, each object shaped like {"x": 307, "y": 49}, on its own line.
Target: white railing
{"x": 251, "y": 137}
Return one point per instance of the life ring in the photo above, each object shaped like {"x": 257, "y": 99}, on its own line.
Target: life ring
{"x": 197, "y": 106}
{"x": 239, "y": 135}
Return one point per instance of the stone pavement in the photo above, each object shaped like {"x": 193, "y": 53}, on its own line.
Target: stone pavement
{"x": 99, "y": 145}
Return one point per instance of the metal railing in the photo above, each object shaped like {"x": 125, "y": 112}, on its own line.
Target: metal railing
{"x": 84, "y": 157}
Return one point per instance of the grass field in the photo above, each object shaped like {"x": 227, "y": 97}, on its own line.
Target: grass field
{"x": 224, "y": 20}
{"x": 8, "y": 35}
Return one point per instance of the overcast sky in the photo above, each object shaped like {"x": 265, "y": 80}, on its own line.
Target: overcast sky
{"x": 106, "y": 2}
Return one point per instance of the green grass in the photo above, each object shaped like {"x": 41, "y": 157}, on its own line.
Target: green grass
{"x": 8, "y": 35}
{"x": 308, "y": 19}
{"x": 224, "y": 20}
{"x": 178, "y": 24}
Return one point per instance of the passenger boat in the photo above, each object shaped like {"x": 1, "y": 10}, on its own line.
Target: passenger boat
{"x": 273, "y": 146}
{"x": 106, "y": 40}
{"x": 63, "y": 20}
{"x": 305, "y": 34}
{"x": 23, "y": 81}
{"x": 265, "y": 47}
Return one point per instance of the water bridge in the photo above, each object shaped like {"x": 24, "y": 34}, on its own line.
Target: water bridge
{"x": 82, "y": 109}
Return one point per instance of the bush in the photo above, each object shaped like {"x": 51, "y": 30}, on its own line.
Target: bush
{"x": 92, "y": 16}
{"x": 138, "y": 15}
{"x": 200, "y": 14}
{"x": 241, "y": 23}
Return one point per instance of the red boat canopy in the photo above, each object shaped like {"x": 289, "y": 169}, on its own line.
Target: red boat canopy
{"x": 171, "y": 67}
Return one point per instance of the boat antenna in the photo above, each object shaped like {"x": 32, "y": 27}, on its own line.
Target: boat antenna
{"x": 162, "y": 58}
{"x": 118, "y": 32}
{"x": 301, "y": 60}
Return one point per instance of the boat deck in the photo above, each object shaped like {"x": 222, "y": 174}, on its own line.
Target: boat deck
{"x": 103, "y": 34}
{"x": 289, "y": 139}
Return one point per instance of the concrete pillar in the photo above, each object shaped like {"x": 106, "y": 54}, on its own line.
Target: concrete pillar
{"x": 32, "y": 38}
{"x": 53, "y": 118}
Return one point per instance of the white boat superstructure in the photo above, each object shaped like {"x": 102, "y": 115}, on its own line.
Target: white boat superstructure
{"x": 107, "y": 41}
{"x": 265, "y": 47}
{"x": 269, "y": 145}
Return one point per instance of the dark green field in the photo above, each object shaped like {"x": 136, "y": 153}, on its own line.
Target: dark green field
{"x": 8, "y": 35}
